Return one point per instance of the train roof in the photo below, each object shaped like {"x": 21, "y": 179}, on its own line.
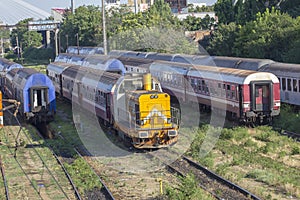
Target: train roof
{"x": 131, "y": 54}
{"x": 23, "y": 73}
{"x": 6, "y": 65}
{"x": 58, "y": 67}
{"x": 216, "y": 73}
{"x": 85, "y": 50}
{"x": 241, "y": 63}
{"x": 138, "y": 62}
{"x": 105, "y": 63}
{"x": 283, "y": 69}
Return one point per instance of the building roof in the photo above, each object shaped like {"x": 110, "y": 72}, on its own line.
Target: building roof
{"x": 13, "y": 11}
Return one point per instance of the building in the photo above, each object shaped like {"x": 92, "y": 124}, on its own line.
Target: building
{"x": 177, "y": 5}
{"x": 58, "y": 13}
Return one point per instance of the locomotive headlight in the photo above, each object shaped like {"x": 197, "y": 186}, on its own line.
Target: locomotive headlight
{"x": 142, "y": 122}
{"x": 143, "y": 134}
{"x": 172, "y": 133}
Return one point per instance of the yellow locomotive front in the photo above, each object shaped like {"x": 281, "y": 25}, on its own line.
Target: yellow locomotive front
{"x": 151, "y": 121}
{"x": 156, "y": 122}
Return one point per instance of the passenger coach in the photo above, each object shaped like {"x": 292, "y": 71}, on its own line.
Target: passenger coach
{"x": 249, "y": 96}
{"x": 34, "y": 91}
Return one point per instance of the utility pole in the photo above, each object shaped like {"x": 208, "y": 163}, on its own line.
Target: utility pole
{"x": 67, "y": 40}
{"x": 2, "y": 48}
{"x": 72, "y": 6}
{"x": 55, "y": 38}
{"x": 136, "y": 6}
{"x": 104, "y": 28}
{"x": 77, "y": 38}
{"x": 18, "y": 48}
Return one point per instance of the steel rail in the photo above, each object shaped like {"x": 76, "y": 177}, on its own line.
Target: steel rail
{"x": 37, "y": 153}
{"x": 102, "y": 182}
{"x": 4, "y": 179}
{"x": 77, "y": 194}
{"x": 221, "y": 179}
{"x": 290, "y": 134}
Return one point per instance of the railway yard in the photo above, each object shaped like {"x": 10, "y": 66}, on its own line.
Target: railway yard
{"x": 150, "y": 100}
{"x": 258, "y": 160}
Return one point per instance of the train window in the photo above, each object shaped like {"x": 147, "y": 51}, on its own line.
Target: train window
{"x": 295, "y": 86}
{"x": 289, "y": 84}
{"x": 193, "y": 81}
{"x": 228, "y": 87}
{"x": 265, "y": 91}
{"x": 219, "y": 85}
{"x": 256, "y": 92}
{"x": 283, "y": 86}
{"x": 224, "y": 86}
{"x": 299, "y": 85}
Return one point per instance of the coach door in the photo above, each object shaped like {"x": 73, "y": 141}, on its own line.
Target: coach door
{"x": 38, "y": 97}
{"x": 261, "y": 97}
{"x": 108, "y": 112}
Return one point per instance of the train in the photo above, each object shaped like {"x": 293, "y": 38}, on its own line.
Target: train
{"x": 102, "y": 62}
{"x": 85, "y": 50}
{"x": 33, "y": 90}
{"x": 287, "y": 73}
{"x": 250, "y": 97}
{"x": 132, "y": 104}
{"x": 5, "y": 66}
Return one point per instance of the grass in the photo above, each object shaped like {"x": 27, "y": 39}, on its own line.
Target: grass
{"x": 188, "y": 190}
{"x": 84, "y": 178}
{"x": 258, "y": 156}
{"x": 288, "y": 120}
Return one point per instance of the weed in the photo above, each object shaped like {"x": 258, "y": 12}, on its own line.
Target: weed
{"x": 295, "y": 150}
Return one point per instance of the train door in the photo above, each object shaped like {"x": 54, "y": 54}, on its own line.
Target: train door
{"x": 61, "y": 85}
{"x": 261, "y": 96}
{"x": 38, "y": 99}
{"x": 108, "y": 112}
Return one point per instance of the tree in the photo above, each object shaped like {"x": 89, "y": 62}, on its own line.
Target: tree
{"x": 269, "y": 36}
{"x": 155, "y": 29}
{"x": 87, "y": 23}
{"x": 292, "y": 7}
{"x": 225, "y": 11}
{"x": 19, "y": 32}
{"x": 242, "y": 11}
{"x": 192, "y": 23}
{"x": 222, "y": 42}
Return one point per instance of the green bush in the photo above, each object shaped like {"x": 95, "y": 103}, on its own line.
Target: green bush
{"x": 38, "y": 54}
{"x": 188, "y": 190}
{"x": 295, "y": 150}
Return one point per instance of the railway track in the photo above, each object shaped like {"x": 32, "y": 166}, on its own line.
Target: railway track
{"x": 104, "y": 193}
{"x": 219, "y": 187}
{"x": 293, "y": 135}
{"x": 29, "y": 167}
{"x": 4, "y": 179}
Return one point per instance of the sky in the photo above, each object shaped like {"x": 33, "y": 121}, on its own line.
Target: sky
{"x": 46, "y": 5}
